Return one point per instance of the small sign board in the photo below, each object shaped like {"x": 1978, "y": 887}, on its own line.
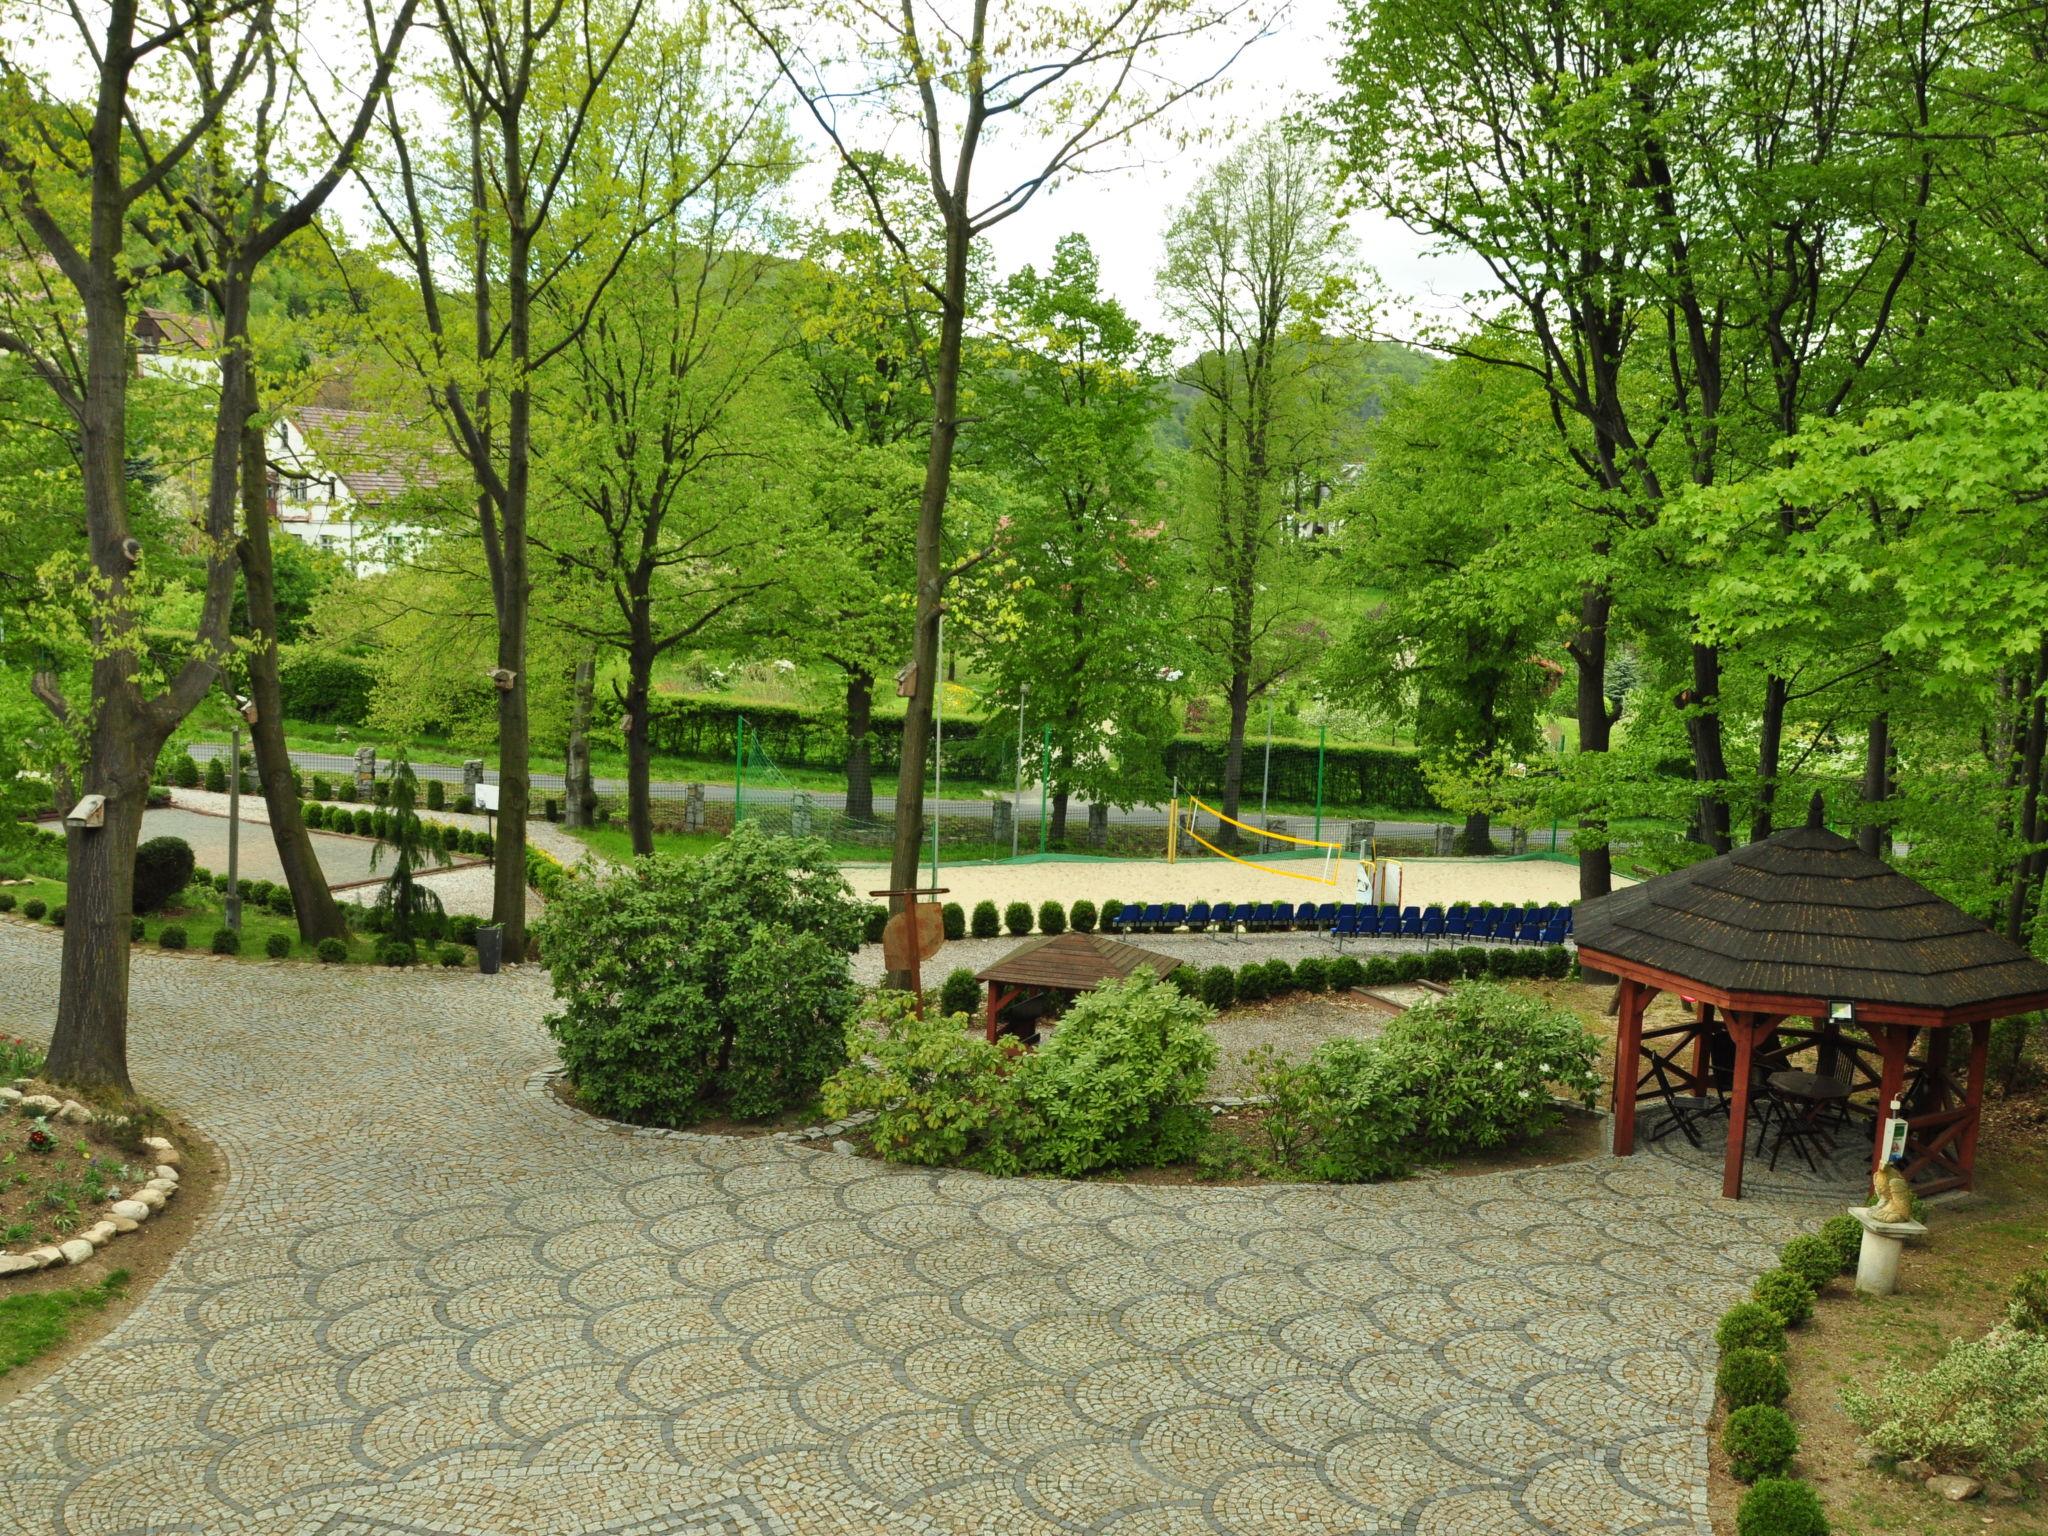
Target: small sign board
{"x": 1895, "y": 1129}
{"x": 487, "y": 797}
{"x": 905, "y": 943}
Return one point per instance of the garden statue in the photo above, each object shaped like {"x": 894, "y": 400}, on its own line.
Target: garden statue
{"x": 1893, "y": 1194}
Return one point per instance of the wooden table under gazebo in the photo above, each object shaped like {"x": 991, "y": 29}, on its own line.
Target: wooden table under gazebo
{"x": 1045, "y": 974}
{"x": 1804, "y": 925}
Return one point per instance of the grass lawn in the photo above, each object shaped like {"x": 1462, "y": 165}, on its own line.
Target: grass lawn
{"x": 201, "y": 910}
{"x": 37, "y": 1321}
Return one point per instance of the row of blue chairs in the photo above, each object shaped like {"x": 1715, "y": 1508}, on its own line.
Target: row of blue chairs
{"x": 1347, "y": 920}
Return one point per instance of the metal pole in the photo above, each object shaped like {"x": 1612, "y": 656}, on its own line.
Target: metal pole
{"x": 1017, "y": 803}
{"x": 234, "y": 891}
{"x": 739, "y": 753}
{"x": 938, "y": 740}
{"x": 1266, "y": 781}
{"x": 1044, "y": 779}
{"x": 1322, "y": 738}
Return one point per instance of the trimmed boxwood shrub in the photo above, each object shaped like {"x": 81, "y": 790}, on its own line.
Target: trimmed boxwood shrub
{"x": 1110, "y": 910}
{"x": 279, "y": 900}
{"x": 874, "y": 918}
{"x": 374, "y": 919}
{"x": 1812, "y": 1258}
{"x": 220, "y": 883}
{"x": 170, "y": 936}
{"x": 1501, "y": 962}
{"x": 1408, "y": 967}
{"x": 321, "y": 788}
{"x": 1557, "y": 962}
{"x": 345, "y": 790}
{"x": 216, "y": 775}
{"x": 1440, "y": 965}
{"x": 1017, "y": 918}
{"x": 1081, "y": 916}
{"x": 226, "y": 941}
{"x": 1784, "y": 1293}
{"x": 437, "y": 794}
{"x": 331, "y": 951}
{"x": 163, "y": 867}
{"x": 1781, "y": 1506}
{"x": 1760, "y": 1441}
{"x": 1279, "y": 978}
{"x": 462, "y": 928}
{"x": 136, "y": 930}
{"x": 396, "y": 952}
{"x": 363, "y": 822}
{"x": 1747, "y": 1376}
{"x": 1750, "y": 1325}
{"x": 1251, "y": 983}
{"x": 34, "y": 908}
{"x": 1052, "y": 917}
{"x": 278, "y": 946}
{"x": 1379, "y": 970}
{"x": 1312, "y": 974}
{"x": 57, "y": 915}
{"x": 450, "y": 955}
{"x": 953, "y": 919}
{"x": 1471, "y": 961}
{"x": 987, "y": 922}
{"x": 1186, "y": 980}
{"x": 6, "y": 901}
{"x": 185, "y": 771}
{"x": 484, "y": 842}
{"x": 313, "y": 814}
{"x": 961, "y": 993}
{"x": 1844, "y": 1234}
{"x": 1219, "y": 986}
{"x": 1345, "y": 973}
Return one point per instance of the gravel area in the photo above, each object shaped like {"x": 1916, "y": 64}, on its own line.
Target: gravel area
{"x": 1203, "y": 949}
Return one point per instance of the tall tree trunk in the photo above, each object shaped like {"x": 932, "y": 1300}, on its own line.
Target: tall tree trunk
{"x": 2026, "y": 875}
{"x": 1233, "y": 754}
{"x": 319, "y": 917}
{"x": 1710, "y": 762}
{"x": 639, "y": 786}
{"x": 931, "y": 523}
{"x": 1589, "y": 654}
{"x": 1876, "y": 780}
{"x": 1770, "y": 747}
{"x": 860, "y": 746}
{"x": 1478, "y": 834}
{"x": 579, "y": 794}
{"x": 1058, "y": 835}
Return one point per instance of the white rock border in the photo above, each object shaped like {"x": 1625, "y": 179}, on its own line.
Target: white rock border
{"x": 125, "y": 1214}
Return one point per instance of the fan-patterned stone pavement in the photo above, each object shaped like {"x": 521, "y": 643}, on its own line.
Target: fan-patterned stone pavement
{"x": 433, "y": 1300}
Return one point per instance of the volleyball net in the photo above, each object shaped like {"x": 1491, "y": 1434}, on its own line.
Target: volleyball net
{"x": 1202, "y": 825}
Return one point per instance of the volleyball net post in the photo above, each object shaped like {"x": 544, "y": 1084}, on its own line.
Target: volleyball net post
{"x": 1326, "y": 853}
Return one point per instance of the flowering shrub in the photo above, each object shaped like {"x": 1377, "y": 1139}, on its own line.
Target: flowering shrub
{"x": 694, "y": 985}
{"x": 18, "y": 1058}
{"x": 1981, "y": 1408}
{"x": 1479, "y": 1064}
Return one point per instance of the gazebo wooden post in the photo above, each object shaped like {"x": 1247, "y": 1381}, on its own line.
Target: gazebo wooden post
{"x": 992, "y": 1012}
{"x": 1973, "y": 1097}
{"x": 1894, "y": 1041}
{"x": 1745, "y": 1028}
{"x": 1628, "y": 1045}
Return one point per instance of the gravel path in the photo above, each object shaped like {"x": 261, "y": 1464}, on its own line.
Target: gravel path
{"x": 433, "y": 1299}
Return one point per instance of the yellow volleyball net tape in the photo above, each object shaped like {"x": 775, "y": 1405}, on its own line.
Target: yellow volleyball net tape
{"x": 1330, "y": 850}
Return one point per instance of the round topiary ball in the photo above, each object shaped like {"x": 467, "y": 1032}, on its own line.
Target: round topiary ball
{"x": 278, "y": 946}
{"x": 1760, "y": 1441}
{"x": 1786, "y": 1294}
{"x": 170, "y": 936}
{"x": 1781, "y": 1506}
{"x": 1081, "y": 916}
{"x": 1219, "y": 986}
{"x": 1812, "y": 1258}
{"x": 57, "y": 915}
{"x": 450, "y": 956}
{"x": 1747, "y": 1376}
{"x": 6, "y": 901}
{"x": 226, "y": 941}
{"x": 136, "y": 930}
{"x": 1750, "y": 1325}
{"x": 1017, "y": 918}
{"x": 1844, "y": 1234}
{"x": 396, "y": 953}
{"x": 961, "y": 993}
{"x": 953, "y": 920}
{"x": 331, "y": 951}
{"x": 33, "y": 909}
{"x": 1345, "y": 973}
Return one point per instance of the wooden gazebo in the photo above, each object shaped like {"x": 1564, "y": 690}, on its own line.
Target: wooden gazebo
{"x": 1805, "y": 926}
{"x": 1056, "y": 968}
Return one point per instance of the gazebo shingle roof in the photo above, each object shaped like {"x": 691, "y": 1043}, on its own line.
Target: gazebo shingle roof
{"x": 1073, "y": 962}
{"x": 1806, "y": 913}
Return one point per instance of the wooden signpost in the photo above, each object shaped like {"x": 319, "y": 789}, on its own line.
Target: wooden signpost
{"x": 916, "y": 931}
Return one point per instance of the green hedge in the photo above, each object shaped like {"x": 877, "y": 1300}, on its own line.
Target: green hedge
{"x": 1352, "y": 776}
{"x": 319, "y": 685}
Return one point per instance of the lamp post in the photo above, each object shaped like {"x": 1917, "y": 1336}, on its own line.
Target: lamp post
{"x": 938, "y": 741}
{"x": 1017, "y": 803}
{"x": 233, "y": 913}
{"x": 1266, "y": 779}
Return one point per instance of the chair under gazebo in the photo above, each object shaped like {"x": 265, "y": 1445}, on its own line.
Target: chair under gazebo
{"x": 1041, "y": 977}
{"x": 1806, "y": 926}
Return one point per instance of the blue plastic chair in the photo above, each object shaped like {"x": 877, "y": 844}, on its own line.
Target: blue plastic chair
{"x": 1176, "y": 916}
{"x": 1154, "y": 918}
{"x": 1241, "y": 916}
{"x": 1345, "y": 927}
{"x": 1553, "y": 932}
{"x": 1433, "y": 924}
{"x": 1326, "y": 916}
{"x": 1198, "y": 917}
{"x": 1305, "y": 916}
{"x": 1390, "y": 919}
{"x": 1411, "y": 923}
{"x": 1457, "y": 924}
{"x": 1345, "y": 909}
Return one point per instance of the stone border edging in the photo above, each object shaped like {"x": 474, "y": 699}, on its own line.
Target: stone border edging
{"x": 123, "y": 1213}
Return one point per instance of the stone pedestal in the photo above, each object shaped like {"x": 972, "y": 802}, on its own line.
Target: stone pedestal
{"x": 1446, "y": 841}
{"x": 1098, "y": 825}
{"x": 1001, "y": 818}
{"x": 472, "y": 776}
{"x": 800, "y": 813}
{"x": 366, "y": 772}
{"x": 1518, "y": 839}
{"x": 1359, "y": 838}
{"x": 693, "y": 808}
{"x": 1877, "y": 1263}
{"x": 1277, "y": 824}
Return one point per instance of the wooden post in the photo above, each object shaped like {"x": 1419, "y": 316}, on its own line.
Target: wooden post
{"x": 1628, "y": 1045}
{"x": 1893, "y": 1042}
{"x": 1703, "y": 1014}
{"x": 1973, "y": 1097}
{"x": 1743, "y": 1026}
{"x": 992, "y": 1012}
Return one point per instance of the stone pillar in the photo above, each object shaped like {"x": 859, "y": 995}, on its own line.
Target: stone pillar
{"x": 1277, "y": 824}
{"x": 366, "y": 773}
{"x": 1098, "y": 825}
{"x": 1360, "y": 837}
{"x": 472, "y": 776}
{"x": 1446, "y": 840}
{"x": 693, "y": 808}
{"x": 800, "y": 813}
{"x": 1002, "y": 816}
{"x": 1877, "y": 1262}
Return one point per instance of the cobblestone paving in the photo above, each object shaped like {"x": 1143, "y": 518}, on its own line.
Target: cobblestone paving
{"x": 433, "y": 1300}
